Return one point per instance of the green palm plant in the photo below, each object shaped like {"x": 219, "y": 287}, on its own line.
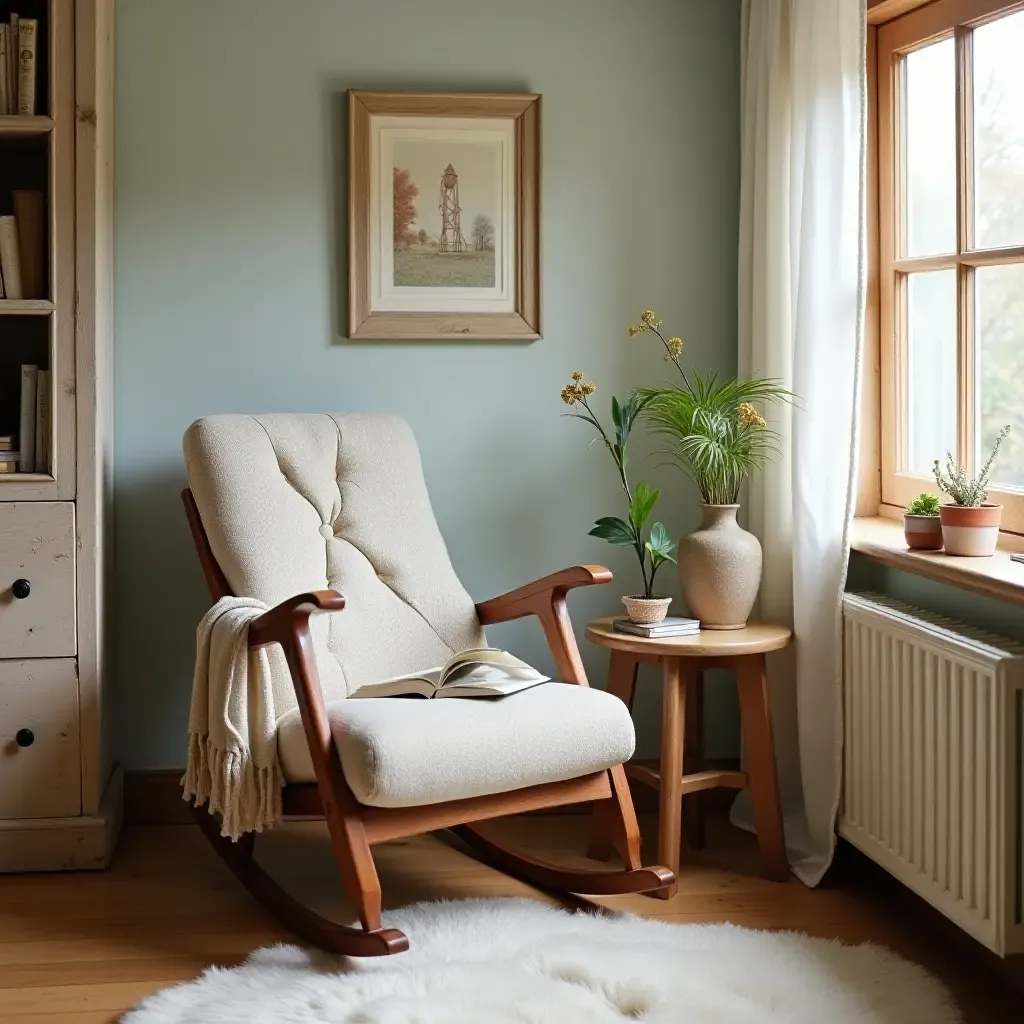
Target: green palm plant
{"x": 715, "y": 433}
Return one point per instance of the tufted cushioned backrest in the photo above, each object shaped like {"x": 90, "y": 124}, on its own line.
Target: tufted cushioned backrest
{"x": 292, "y": 503}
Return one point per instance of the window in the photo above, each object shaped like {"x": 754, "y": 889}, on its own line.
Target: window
{"x": 950, "y": 92}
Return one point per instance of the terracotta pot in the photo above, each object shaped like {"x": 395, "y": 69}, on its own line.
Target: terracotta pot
{"x": 923, "y": 533}
{"x": 970, "y": 530}
{"x": 720, "y": 569}
{"x": 646, "y": 611}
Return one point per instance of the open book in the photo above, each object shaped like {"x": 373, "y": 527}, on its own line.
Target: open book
{"x": 476, "y": 672}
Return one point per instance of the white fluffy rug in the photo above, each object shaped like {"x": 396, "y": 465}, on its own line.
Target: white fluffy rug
{"x": 521, "y": 962}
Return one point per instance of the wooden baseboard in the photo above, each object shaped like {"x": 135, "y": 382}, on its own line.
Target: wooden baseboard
{"x": 82, "y": 843}
{"x": 154, "y": 797}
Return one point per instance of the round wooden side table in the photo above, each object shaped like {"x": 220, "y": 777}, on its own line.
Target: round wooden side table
{"x": 684, "y": 659}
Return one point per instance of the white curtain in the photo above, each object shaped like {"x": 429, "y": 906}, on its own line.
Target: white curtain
{"x": 801, "y": 312}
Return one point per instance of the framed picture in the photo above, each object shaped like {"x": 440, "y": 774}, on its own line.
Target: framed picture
{"x": 444, "y": 216}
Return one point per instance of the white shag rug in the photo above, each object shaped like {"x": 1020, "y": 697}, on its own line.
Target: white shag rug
{"x": 514, "y": 961}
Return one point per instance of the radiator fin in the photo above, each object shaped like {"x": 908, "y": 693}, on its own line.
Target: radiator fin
{"x": 934, "y": 722}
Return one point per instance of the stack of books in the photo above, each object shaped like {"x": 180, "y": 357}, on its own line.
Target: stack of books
{"x": 18, "y": 65}
{"x": 670, "y": 626}
{"x": 23, "y": 247}
{"x": 9, "y": 453}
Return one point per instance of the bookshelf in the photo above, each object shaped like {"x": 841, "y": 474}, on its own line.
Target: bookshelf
{"x": 37, "y": 154}
{"x": 59, "y": 795}
{"x": 25, "y": 125}
{"x": 26, "y": 307}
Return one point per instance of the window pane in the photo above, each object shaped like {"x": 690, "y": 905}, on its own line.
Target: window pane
{"x": 931, "y": 149}
{"x": 931, "y": 366}
{"x": 999, "y": 132}
{"x": 999, "y": 308}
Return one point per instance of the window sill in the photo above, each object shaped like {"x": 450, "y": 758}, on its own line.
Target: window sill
{"x": 882, "y": 541}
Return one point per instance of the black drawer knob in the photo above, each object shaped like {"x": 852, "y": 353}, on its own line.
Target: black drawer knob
{"x": 24, "y": 737}
{"x": 21, "y": 589}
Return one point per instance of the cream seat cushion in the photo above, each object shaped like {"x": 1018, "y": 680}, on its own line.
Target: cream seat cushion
{"x": 408, "y": 752}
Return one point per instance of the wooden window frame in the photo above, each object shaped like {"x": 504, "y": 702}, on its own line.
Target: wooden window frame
{"x": 885, "y": 445}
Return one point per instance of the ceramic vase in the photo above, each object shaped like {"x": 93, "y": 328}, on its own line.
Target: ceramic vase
{"x": 720, "y": 569}
{"x": 971, "y": 530}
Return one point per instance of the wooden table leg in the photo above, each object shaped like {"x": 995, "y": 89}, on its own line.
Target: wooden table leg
{"x": 763, "y": 780}
{"x": 606, "y": 819}
{"x": 694, "y": 812}
{"x": 673, "y": 720}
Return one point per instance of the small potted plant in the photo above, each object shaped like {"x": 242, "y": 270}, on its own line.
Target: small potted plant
{"x": 970, "y": 525}
{"x": 653, "y": 548}
{"x": 921, "y": 525}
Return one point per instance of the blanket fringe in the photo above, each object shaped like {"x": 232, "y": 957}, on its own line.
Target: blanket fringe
{"x": 247, "y": 798}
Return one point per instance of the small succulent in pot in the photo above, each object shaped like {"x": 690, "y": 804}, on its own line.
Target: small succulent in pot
{"x": 970, "y": 524}
{"x": 921, "y": 525}
{"x": 653, "y": 547}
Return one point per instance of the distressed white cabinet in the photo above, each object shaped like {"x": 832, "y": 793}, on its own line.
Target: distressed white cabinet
{"x": 60, "y": 795}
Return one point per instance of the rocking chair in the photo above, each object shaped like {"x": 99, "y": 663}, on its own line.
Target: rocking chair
{"x": 295, "y": 510}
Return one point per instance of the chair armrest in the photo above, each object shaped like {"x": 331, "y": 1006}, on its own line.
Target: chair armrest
{"x": 279, "y": 624}
{"x": 523, "y": 600}
{"x": 545, "y": 598}
{"x": 287, "y": 624}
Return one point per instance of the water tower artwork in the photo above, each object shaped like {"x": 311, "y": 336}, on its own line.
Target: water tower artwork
{"x": 451, "y": 239}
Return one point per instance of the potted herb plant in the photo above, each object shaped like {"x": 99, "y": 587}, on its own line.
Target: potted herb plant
{"x": 921, "y": 525}
{"x": 970, "y": 524}
{"x": 718, "y": 438}
{"x": 654, "y": 547}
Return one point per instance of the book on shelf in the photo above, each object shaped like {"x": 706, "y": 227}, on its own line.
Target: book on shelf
{"x": 10, "y": 258}
{"x": 8, "y": 462}
{"x": 12, "y": 63}
{"x": 30, "y": 226}
{"x": 673, "y": 625}
{"x": 23, "y": 247}
{"x": 6, "y": 103}
{"x": 42, "y": 413}
{"x": 27, "y": 418}
{"x": 8, "y": 443}
{"x": 475, "y": 672}
{"x": 27, "y": 31}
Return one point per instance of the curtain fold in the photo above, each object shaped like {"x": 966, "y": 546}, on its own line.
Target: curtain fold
{"x": 802, "y": 252}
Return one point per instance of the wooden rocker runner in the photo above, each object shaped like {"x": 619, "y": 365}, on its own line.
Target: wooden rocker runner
{"x": 294, "y": 510}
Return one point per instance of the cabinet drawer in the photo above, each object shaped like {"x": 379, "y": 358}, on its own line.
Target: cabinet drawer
{"x": 37, "y": 579}
{"x": 40, "y": 773}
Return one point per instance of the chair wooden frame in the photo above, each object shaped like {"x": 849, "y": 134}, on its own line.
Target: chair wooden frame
{"x": 354, "y": 827}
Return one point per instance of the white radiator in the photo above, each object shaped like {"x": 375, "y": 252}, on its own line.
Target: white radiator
{"x": 933, "y": 781}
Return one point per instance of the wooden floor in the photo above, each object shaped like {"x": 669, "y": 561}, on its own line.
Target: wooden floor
{"x": 81, "y": 948}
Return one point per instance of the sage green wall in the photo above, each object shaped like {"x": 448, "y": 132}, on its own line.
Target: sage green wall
{"x": 230, "y": 190}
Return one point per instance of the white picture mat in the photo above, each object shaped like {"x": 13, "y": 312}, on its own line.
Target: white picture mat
{"x": 385, "y": 296}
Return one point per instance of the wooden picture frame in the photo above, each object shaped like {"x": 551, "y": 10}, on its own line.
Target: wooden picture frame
{"x": 397, "y": 289}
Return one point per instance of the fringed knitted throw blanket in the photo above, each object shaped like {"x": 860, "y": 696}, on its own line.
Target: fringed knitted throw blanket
{"x": 232, "y": 748}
